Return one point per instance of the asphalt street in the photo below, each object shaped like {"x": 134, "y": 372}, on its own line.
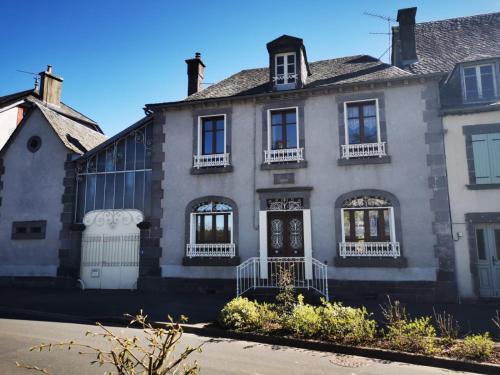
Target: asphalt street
{"x": 219, "y": 356}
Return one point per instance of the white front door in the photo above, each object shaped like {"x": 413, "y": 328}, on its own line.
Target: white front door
{"x": 110, "y": 249}
{"x": 488, "y": 255}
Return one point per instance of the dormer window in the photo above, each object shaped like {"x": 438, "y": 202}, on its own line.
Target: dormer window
{"x": 285, "y": 68}
{"x": 479, "y": 82}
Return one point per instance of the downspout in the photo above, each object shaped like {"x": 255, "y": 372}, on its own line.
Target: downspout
{"x": 254, "y": 140}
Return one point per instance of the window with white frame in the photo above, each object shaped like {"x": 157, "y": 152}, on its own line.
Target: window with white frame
{"x": 211, "y": 230}
{"x": 211, "y": 142}
{"x": 479, "y": 82}
{"x": 283, "y": 143}
{"x": 368, "y": 228}
{"x": 285, "y": 68}
{"x": 362, "y": 130}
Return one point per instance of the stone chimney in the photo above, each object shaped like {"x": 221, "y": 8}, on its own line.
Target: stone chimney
{"x": 50, "y": 87}
{"x": 408, "y": 49}
{"x": 196, "y": 73}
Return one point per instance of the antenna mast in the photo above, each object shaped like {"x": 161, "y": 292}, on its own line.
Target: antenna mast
{"x": 35, "y": 76}
{"x": 389, "y": 20}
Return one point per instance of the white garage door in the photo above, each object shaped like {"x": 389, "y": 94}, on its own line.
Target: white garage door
{"x": 110, "y": 249}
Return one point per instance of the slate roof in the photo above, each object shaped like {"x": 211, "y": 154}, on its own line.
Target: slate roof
{"x": 74, "y": 135}
{"x": 350, "y": 69}
{"x": 33, "y": 96}
{"x": 442, "y": 44}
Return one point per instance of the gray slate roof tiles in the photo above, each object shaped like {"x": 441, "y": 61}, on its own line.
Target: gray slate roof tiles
{"x": 442, "y": 44}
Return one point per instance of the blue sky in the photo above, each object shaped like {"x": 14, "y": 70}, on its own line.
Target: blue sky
{"x": 117, "y": 55}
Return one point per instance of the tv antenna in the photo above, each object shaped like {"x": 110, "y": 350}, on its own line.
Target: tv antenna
{"x": 389, "y": 20}
{"x": 35, "y": 76}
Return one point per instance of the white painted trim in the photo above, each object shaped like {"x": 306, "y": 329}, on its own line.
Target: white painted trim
{"x": 269, "y": 127}
{"x": 346, "y": 127}
{"x": 285, "y": 67}
{"x": 263, "y": 243}
{"x": 393, "y": 224}
{"x": 306, "y": 219}
{"x": 391, "y": 219}
{"x": 4, "y": 109}
{"x": 479, "y": 84}
{"x": 342, "y": 228}
{"x": 200, "y": 151}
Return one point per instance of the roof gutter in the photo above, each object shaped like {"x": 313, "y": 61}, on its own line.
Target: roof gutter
{"x": 149, "y": 108}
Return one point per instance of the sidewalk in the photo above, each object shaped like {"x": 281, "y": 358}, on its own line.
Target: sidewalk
{"x": 199, "y": 307}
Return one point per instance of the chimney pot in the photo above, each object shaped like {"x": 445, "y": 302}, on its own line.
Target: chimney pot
{"x": 197, "y": 55}
{"x": 49, "y": 68}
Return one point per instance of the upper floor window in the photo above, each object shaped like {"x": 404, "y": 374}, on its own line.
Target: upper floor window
{"x": 486, "y": 155}
{"x": 362, "y": 130}
{"x": 211, "y": 142}
{"x": 283, "y": 136}
{"x": 285, "y": 68}
{"x": 479, "y": 82}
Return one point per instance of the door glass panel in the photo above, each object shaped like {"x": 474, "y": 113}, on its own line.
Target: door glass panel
{"x": 387, "y": 227}
{"x": 481, "y": 244}
{"x": 359, "y": 225}
{"x": 296, "y": 238}
{"x": 497, "y": 243}
{"x": 277, "y": 234}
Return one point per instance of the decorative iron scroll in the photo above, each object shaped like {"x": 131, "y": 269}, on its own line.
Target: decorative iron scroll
{"x": 285, "y": 204}
{"x": 277, "y": 233}
{"x": 366, "y": 202}
{"x": 113, "y": 217}
{"x": 296, "y": 237}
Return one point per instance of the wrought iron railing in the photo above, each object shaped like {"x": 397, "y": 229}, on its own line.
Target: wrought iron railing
{"x": 213, "y": 160}
{"x": 363, "y": 150}
{"x": 111, "y": 251}
{"x": 308, "y": 273}
{"x": 211, "y": 250}
{"x": 285, "y": 78}
{"x": 284, "y": 155}
{"x": 369, "y": 249}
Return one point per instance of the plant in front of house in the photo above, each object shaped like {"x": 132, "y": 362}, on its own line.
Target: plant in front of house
{"x": 151, "y": 355}
{"x": 346, "y": 324}
{"x": 406, "y": 334}
{"x": 448, "y": 328}
{"x": 304, "y": 320}
{"x": 240, "y": 314}
{"x": 478, "y": 347}
{"x": 286, "y": 298}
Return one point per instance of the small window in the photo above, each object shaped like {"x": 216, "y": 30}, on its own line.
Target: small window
{"x": 28, "y": 230}
{"x": 212, "y": 135}
{"x": 486, "y": 155}
{"x": 362, "y": 122}
{"x": 34, "y": 143}
{"x": 285, "y": 70}
{"x": 479, "y": 82}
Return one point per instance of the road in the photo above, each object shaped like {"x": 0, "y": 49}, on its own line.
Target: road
{"x": 219, "y": 356}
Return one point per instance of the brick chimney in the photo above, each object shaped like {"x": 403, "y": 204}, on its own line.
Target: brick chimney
{"x": 408, "y": 49}
{"x": 50, "y": 87}
{"x": 196, "y": 73}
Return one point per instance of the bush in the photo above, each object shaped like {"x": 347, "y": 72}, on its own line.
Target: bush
{"x": 304, "y": 320}
{"x": 475, "y": 347}
{"x": 416, "y": 336}
{"x": 240, "y": 314}
{"x": 448, "y": 327}
{"x": 346, "y": 324}
{"x": 269, "y": 320}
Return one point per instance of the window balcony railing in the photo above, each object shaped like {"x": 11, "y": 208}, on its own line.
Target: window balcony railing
{"x": 363, "y": 150}
{"x": 285, "y": 78}
{"x": 211, "y": 250}
{"x": 213, "y": 160}
{"x": 284, "y": 155}
{"x": 369, "y": 249}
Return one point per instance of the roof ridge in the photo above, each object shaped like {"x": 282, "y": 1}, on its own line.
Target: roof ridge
{"x": 458, "y": 18}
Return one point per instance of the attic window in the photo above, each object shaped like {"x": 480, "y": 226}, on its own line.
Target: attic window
{"x": 479, "y": 82}
{"x": 34, "y": 143}
{"x": 285, "y": 68}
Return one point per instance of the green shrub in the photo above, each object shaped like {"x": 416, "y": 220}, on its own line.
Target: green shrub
{"x": 416, "y": 336}
{"x": 269, "y": 320}
{"x": 475, "y": 347}
{"x": 304, "y": 320}
{"x": 346, "y": 324}
{"x": 240, "y": 314}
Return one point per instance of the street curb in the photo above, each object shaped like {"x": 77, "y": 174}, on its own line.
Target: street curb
{"x": 323, "y": 346}
{"x": 383, "y": 354}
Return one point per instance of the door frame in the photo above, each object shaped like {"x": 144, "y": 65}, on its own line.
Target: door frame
{"x": 263, "y": 245}
{"x": 473, "y": 220}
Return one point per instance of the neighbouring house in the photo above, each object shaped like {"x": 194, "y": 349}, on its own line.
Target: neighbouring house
{"x": 34, "y": 173}
{"x": 467, "y": 50}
